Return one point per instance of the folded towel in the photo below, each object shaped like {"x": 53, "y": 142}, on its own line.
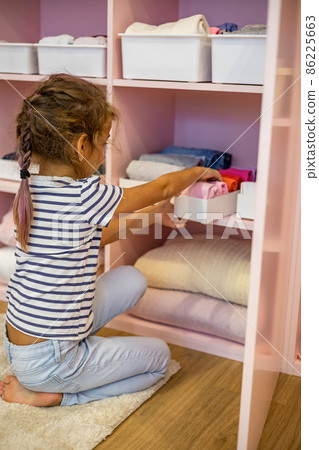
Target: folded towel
{"x": 253, "y": 171}
{"x": 62, "y": 39}
{"x": 179, "y": 160}
{"x": 215, "y": 159}
{"x": 228, "y": 27}
{"x": 148, "y": 170}
{"x": 252, "y": 29}
{"x": 206, "y": 190}
{"x": 214, "y": 30}
{"x": 232, "y": 184}
{"x": 88, "y": 40}
{"x": 245, "y": 175}
{"x": 196, "y": 24}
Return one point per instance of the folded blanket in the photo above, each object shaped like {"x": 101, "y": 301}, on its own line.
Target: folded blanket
{"x": 245, "y": 175}
{"x": 196, "y": 24}
{"x": 214, "y": 158}
{"x": 228, "y": 27}
{"x": 62, "y": 39}
{"x": 88, "y": 40}
{"x": 148, "y": 170}
{"x": 206, "y": 190}
{"x": 179, "y": 160}
{"x": 252, "y": 29}
{"x": 197, "y": 312}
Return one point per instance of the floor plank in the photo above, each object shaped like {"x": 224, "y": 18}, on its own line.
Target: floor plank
{"x": 199, "y": 409}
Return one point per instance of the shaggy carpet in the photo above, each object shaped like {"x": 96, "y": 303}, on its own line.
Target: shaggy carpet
{"x": 78, "y": 427}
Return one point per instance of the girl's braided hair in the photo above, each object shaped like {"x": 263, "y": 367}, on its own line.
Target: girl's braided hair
{"x": 52, "y": 119}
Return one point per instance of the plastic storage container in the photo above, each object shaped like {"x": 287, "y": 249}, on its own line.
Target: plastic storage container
{"x": 80, "y": 60}
{"x": 166, "y": 57}
{"x": 205, "y": 211}
{"x": 18, "y": 58}
{"x": 238, "y": 59}
{"x": 246, "y": 200}
{"x": 10, "y": 170}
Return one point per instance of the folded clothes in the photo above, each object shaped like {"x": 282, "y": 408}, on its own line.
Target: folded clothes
{"x": 62, "y": 39}
{"x": 253, "y": 171}
{"x": 237, "y": 179}
{"x": 179, "y": 160}
{"x": 196, "y": 24}
{"x": 88, "y": 40}
{"x": 214, "y": 30}
{"x": 228, "y": 27}
{"x": 232, "y": 184}
{"x": 206, "y": 190}
{"x": 252, "y": 29}
{"x": 215, "y": 158}
{"x": 245, "y": 175}
{"x": 149, "y": 170}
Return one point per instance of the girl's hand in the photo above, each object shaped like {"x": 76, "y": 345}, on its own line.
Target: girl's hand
{"x": 210, "y": 175}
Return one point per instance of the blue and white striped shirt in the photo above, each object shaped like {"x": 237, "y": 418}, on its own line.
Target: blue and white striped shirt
{"x": 51, "y": 293}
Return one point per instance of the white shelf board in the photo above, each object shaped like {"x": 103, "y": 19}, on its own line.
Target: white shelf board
{"x": 10, "y": 186}
{"x": 178, "y": 85}
{"x": 179, "y": 336}
{"x": 37, "y": 78}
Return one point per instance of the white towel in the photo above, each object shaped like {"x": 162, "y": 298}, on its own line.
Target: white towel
{"x": 87, "y": 40}
{"x": 62, "y": 39}
{"x": 189, "y": 25}
{"x": 149, "y": 170}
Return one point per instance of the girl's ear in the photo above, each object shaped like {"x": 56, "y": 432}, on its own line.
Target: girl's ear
{"x": 83, "y": 146}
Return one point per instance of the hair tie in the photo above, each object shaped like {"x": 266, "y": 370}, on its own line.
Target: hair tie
{"x": 24, "y": 173}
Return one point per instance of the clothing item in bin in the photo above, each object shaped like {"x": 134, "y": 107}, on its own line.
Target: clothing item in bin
{"x": 88, "y": 40}
{"x": 246, "y": 175}
{"x": 253, "y": 171}
{"x": 215, "y": 159}
{"x": 149, "y": 170}
{"x": 206, "y": 190}
{"x": 62, "y": 39}
{"x": 214, "y": 30}
{"x": 12, "y": 156}
{"x": 228, "y": 27}
{"x": 252, "y": 29}
{"x": 179, "y": 160}
{"x": 196, "y": 24}
{"x": 232, "y": 184}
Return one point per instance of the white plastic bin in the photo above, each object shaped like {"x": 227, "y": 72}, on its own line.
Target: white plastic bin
{"x": 166, "y": 57}
{"x": 205, "y": 211}
{"x": 80, "y": 60}
{"x": 18, "y": 58}
{"x": 10, "y": 169}
{"x": 238, "y": 59}
{"x": 246, "y": 200}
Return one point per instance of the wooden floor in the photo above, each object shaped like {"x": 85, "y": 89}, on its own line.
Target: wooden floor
{"x": 198, "y": 408}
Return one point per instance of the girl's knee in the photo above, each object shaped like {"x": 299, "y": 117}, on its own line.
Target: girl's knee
{"x": 165, "y": 354}
{"x": 134, "y": 279}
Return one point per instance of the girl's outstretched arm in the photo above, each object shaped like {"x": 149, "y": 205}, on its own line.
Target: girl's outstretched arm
{"x": 163, "y": 188}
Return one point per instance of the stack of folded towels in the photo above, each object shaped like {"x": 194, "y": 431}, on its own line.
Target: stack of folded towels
{"x": 66, "y": 39}
{"x": 199, "y": 284}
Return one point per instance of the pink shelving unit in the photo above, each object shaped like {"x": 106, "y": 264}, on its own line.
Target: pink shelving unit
{"x": 247, "y": 121}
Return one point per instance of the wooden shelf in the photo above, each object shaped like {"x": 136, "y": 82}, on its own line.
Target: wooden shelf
{"x": 9, "y": 186}
{"x": 179, "y": 336}
{"x": 208, "y": 87}
{"x": 38, "y": 78}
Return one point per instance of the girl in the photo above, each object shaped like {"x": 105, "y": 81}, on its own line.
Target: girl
{"x": 62, "y": 217}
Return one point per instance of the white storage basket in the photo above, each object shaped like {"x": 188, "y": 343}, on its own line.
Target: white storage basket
{"x": 166, "y": 57}
{"x": 80, "y": 60}
{"x": 18, "y": 58}
{"x": 238, "y": 59}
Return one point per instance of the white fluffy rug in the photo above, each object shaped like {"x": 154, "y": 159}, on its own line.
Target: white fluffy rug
{"x": 78, "y": 427}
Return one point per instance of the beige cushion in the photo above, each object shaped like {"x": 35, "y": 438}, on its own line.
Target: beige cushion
{"x": 216, "y": 267}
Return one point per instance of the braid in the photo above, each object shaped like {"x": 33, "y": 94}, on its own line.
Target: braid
{"x": 23, "y": 207}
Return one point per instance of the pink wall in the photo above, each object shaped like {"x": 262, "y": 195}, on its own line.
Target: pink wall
{"x": 215, "y": 120}
{"x": 241, "y": 12}
{"x": 18, "y": 23}
{"x": 75, "y": 17}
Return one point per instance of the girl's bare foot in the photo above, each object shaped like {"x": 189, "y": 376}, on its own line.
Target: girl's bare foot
{"x": 12, "y": 391}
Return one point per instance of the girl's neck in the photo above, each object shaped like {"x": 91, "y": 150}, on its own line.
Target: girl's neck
{"x": 54, "y": 169}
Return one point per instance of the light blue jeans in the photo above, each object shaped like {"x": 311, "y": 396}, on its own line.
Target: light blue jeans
{"x": 96, "y": 367}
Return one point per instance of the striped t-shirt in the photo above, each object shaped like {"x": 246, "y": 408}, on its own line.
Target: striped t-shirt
{"x": 51, "y": 293}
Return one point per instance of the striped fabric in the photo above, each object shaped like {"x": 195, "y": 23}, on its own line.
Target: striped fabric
{"x": 51, "y": 293}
